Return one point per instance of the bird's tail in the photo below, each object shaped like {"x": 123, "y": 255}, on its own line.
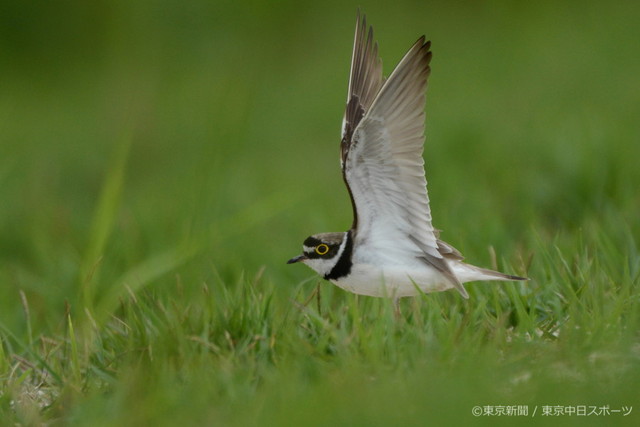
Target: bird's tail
{"x": 469, "y": 273}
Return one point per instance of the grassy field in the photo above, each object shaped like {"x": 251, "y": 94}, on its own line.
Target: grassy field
{"x": 160, "y": 161}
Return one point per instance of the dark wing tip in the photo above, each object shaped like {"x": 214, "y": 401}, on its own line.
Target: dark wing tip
{"x": 425, "y": 47}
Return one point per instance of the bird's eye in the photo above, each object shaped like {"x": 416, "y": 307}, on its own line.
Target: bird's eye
{"x": 322, "y": 249}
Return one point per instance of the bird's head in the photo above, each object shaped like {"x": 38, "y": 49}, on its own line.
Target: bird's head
{"x": 321, "y": 252}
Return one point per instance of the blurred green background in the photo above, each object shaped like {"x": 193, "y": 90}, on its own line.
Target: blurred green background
{"x": 149, "y": 140}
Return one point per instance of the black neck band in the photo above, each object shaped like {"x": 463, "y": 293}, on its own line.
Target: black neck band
{"x": 343, "y": 266}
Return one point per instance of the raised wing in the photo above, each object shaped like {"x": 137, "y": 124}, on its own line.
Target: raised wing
{"x": 384, "y": 169}
{"x": 365, "y": 81}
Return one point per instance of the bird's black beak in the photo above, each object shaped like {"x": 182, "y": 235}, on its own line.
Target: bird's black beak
{"x": 297, "y": 259}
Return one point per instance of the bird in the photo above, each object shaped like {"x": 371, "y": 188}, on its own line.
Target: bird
{"x": 392, "y": 249}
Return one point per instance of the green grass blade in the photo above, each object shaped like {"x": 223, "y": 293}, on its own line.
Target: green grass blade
{"x": 104, "y": 219}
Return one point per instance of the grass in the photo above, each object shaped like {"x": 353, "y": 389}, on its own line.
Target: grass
{"x": 159, "y": 163}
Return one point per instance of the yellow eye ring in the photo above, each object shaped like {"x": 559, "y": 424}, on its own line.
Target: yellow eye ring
{"x": 322, "y": 249}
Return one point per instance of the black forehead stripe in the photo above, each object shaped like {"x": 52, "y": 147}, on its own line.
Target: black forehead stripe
{"x": 311, "y": 242}
{"x": 343, "y": 266}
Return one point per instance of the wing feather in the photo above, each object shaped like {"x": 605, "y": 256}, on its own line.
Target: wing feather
{"x": 365, "y": 80}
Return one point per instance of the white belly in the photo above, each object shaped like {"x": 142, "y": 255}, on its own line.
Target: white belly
{"x": 394, "y": 282}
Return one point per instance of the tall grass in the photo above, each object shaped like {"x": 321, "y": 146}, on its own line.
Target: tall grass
{"x": 158, "y": 168}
